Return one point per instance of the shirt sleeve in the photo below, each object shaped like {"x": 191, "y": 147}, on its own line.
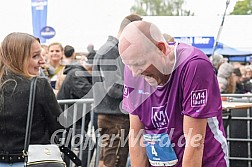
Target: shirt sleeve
{"x": 132, "y": 100}
{"x": 126, "y": 103}
{"x": 201, "y": 94}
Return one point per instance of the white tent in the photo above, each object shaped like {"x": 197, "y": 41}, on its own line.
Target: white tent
{"x": 77, "y": 26}
{"x": 236, "y": 31}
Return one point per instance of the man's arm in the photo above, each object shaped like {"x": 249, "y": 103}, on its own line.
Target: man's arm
{"x": 137, "y": 151}
{"x": 194, "y": 131}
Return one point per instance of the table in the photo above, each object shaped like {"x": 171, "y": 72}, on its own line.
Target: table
{"x": 226, "y": 105}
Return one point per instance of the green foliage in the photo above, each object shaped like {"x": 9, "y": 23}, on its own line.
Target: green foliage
{"x": 242, "y": 7}
{"x": 160, "y": 8}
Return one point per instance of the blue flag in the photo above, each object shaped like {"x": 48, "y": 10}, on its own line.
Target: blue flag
{"x": 39, "y": 17}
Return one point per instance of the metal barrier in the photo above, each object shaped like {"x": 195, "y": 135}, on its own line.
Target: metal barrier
{"x": 238, "y": 131}
{"x": 79, "y": 109}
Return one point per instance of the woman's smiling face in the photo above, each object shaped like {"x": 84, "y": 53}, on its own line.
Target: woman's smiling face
{"x": 36, "y": 59}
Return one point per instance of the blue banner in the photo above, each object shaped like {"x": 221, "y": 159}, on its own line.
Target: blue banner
{"x": 198, "y": 41}
{"x": 204, "y": 43}
{"x": 39, "y": 17}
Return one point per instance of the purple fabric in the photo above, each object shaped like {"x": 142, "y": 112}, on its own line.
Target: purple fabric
{"x": 192, "y": 90}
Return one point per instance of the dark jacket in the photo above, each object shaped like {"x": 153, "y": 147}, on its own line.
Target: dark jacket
{"x": 107, "y": 75}
{"x": 77, "y": 84}
{"x": 13, "y": 113}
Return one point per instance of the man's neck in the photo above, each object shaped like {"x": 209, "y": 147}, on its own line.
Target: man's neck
{"x": 164, "y": 79}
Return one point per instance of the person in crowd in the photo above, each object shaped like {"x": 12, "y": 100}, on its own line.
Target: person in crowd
{"x": 226, "y": 78}
{"x": 108, "y": 92}
{"x": 20, "y": 60}
{"x": 69, "y": 59}
{"x": 247, "y": 79}
{"x": 248, "y": 73}
{"x": 45, "y": 70}
{"x": 172, "y": 95}
{"x": 69, "y": 55}
{"x": 89, "y": 61}
{"x": 238, "y": 80}
{"x": 91, "y": 54}
{"x": 243, "y": 84}
{"x": 45, "y": 51}
{"x": 77, "y": 83}
{"x": 217, "y": 60}
{"x": 90, "y": 48}
{"x": 55, "y": 53}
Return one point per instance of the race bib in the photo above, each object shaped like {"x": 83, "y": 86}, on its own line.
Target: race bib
{"x": 159, "y": 150}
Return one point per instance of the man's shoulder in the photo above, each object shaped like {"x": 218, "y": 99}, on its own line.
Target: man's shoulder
{"x": 186, "y": 53}
{"x": 190, "y": 48}
{"x": 110, "y": 47}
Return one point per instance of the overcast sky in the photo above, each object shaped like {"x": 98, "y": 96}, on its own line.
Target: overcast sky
{"x": 89, "y": 19}
{"x": 209, "y": 7}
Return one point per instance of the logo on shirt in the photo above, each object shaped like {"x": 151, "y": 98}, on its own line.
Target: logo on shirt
{"x": 159, "y": 117}
{"x": 126, "y": 91}
{"x": 140, "y": 91}
{"x": 199, "y": 98}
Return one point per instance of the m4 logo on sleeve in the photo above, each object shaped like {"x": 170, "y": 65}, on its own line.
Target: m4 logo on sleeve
{"x": 199, "y": 98}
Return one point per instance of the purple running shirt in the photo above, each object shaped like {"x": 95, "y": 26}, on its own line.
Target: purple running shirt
{"x": 192, "y": 90}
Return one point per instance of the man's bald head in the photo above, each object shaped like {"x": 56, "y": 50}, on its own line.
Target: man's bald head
{"x": 144, "y": 50}
{"x": 142, "y": 36}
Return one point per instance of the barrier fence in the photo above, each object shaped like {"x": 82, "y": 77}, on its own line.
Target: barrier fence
{"x": 80, "y": 137}
{"x": 85, "y": 139}
{"x": 237, "y": 118}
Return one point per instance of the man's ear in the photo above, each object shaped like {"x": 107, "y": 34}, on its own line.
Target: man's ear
{"x": 161, "y": 47}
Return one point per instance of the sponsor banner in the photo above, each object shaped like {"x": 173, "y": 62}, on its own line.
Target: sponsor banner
{"x": 197, "y": 41}
{"x": 39, "y": 17}
{"x": 47, "y": 32}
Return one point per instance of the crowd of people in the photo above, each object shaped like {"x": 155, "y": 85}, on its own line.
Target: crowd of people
{"x": 143, "y": 83}
{"x": 233, "y": 77}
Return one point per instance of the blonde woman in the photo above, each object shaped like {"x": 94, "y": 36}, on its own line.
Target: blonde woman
{"x": 55, "y": 53}
{"x": 20, "y": 60}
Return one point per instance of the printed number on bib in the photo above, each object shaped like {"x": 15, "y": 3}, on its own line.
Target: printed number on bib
{"x": 159, "y": 150}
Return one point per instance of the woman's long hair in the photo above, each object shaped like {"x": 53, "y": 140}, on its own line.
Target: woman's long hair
{"x": 15, "y": 52}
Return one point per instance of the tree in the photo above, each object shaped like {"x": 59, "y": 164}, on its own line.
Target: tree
{"x": 243, "y": 7}
{"x": 160, "y": 8}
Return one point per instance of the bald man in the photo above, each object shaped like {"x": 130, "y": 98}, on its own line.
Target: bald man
{"x": 172, "y": 95}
